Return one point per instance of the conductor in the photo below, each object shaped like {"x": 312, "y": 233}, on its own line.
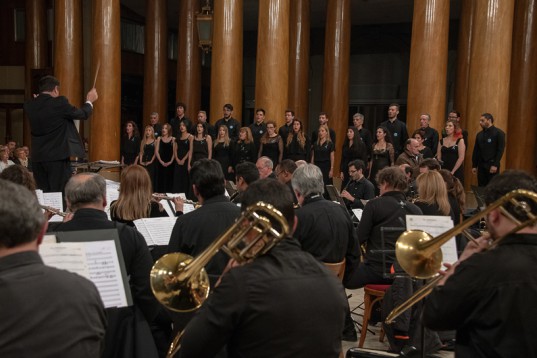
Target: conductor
{"x": 54, "y": 135}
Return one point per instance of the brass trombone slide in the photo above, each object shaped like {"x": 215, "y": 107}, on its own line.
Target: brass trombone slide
{"x": 424, "y": 251}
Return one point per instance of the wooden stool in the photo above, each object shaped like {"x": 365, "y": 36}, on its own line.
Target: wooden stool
{"x": 372, "y": 294}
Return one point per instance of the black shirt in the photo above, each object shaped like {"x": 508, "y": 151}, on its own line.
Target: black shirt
{"x": 431, "y": 139}
{"x": 398, "y": 133}
{"x": 232, "y": 125}
{"x": 489, "y": 147}
{"x": 359, "y": 189}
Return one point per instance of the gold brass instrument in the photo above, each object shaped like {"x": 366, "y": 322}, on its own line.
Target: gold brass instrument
{"x": 54, "y": 210}
{"x": 421, "y": 257}
{"x": 180, "y": 282}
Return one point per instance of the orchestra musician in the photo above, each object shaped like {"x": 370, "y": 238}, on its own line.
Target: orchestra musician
{"x": 489, "y": 295}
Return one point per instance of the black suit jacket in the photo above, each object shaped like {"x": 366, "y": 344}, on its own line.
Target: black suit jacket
{"x": 54, "y": 135}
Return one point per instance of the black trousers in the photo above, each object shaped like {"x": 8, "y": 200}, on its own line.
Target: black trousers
{"x": 53, "y": 175}
{"x": 484, "y": 176}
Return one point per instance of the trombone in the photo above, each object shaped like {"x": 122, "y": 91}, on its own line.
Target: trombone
{"x": 180, "y": 282}
{"x": 420, "y": 256}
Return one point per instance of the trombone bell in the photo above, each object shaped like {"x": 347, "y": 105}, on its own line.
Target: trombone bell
{"x": 178, "y": 295}
{"x": 416, "y": 262}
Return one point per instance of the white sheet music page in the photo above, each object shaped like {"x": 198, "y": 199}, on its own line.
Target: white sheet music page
{"x": 70, "y": 256}
{"x": 105, "y": 272}
{"x": 54, "y": 200}
{"x": 358, "y": 213}
{"x": 186, "y": 207}
{"x": 434, "y": 226}
{"x": 112, "y": 193}
{"x": 156, "y": 231}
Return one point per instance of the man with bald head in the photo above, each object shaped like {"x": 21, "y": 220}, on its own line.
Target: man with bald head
{"x": 411, "y": 156}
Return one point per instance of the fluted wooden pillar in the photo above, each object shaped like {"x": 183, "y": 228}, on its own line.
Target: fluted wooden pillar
{"x": 272, "y": 67}
{"x": 488, "y": 83}
{"x": 522, "y": 126}
{"x": 463, "y": 60}
{"x": 68, "y": 50}
{"x": 36, "y": 51}
{"x": 336, "y": 70}
{"x": 299, "y": 59}
{"x": 226, "y": 65}
{"x": 106, "y": 119}
{"x": 428, "y": 63}
{"x": 188, "y": 59}
{"x": 155, "y": 61}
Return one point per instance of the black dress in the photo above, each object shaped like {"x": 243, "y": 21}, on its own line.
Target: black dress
{"x": 244, "y": 152}
{"x": 200, "y": 150}
{"x": 380, "y": 159}
{"x": 148, "y": 152}
{"x": 181, "y": 180}
{"x": 450, "y": 155}
{"x": 295, "y": 152}
{"x": 271, "y": 149}
{"x": 165, "y": 174}
{"x": 321, "y": 158}
{"x": 222, "y": 154}
{"x": 130, "y": 148}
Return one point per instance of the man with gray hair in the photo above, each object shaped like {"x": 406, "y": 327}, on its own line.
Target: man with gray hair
{"x": 45, "y": 311}
{"x": 85, "y": 195}
{"x": 265, "y": 166}
{"x": 324, "y": 228}
{"x": 153, "y": 121}
{"x": 365, "y": 134}
{"x": 431, "y": 135}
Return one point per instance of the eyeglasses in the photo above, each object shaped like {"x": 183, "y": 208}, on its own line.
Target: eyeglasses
{"x": 352, "y": 171}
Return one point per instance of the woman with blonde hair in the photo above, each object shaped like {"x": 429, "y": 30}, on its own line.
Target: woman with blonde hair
{"x": 147, "y": 152}
{"x": 244, "y": 149}
{"x": 222, "y": 151}
{"x": 135, "y": 199}
{"x": 433, "y": 194}
{"x": 323, "y": 154}
{"x": 165, "y": 150}
{"x": 298, "y": 144}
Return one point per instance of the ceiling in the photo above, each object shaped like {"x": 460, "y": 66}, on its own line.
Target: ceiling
{"x": 364, "y": 12}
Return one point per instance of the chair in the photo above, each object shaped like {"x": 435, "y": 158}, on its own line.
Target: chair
{"x": 372, "y": 294}
{"x": 337, "y": 268}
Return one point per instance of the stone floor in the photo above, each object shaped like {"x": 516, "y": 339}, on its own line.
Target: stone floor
{"x": 372, "y": 339}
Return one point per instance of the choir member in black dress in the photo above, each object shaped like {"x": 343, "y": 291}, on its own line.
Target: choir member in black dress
{"x": 181, "y": 180}
{"x": 353, "y": 148}
{"x": 271, "y": 144}
{"x": 382, "y": 155}
{"x": 201, "y": 145}
{"x": 222, "y": 152}
{"x": 419, "y": 135}
{"x": 323, "y": 154}
{"x": 451, "y": 150}
{"x": 244, "y": 149}
{"x": 130, "y": 144}
{"x": 297, "y": 145}
{"x": 148, "y": 155}
{"x": 164, "y": 151}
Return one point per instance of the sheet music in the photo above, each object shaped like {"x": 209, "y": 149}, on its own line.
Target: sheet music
{"x": 112, "y": 193}
{"x": 186, "y": 207}
{"x": 70, "y": 256}
{"x": 156, "y": 231}
{"x": 49, "y": 239}
{"x": 39, "y": 194}
{"x": 358, "y": 213}
{"x": 54, "y": 200}
{"x": 105, "y": 273}
{"x": 434, "y": 226}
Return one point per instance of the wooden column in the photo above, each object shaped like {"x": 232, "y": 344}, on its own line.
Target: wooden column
{"x": 272, "y": 67}
{"x": 226, "y": 64}
{"x": 428, "y": 63}
{"x": 36, "y": 51}
{"x": 463, "y": 60}
{"x": 488, "y": 82}
{"x": 299, "y": 59}
{"x": 155, "y": 61}
{"x": 106, "y": 119}
{"x": 522, "y": 126}
{"x": 336, "y": 70}
{"x": 68, "y": 51}
{"x": 188, "y": 59}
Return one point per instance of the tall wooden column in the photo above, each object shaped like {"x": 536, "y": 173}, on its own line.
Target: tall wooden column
{"x": 155, "y": 61}
{"x": 428, "y": 63}
{"x": 522, "y": 127}
{"x": 272, "y": 67}
{"x": 336, "y": 69}
{"x": 68, "y": 50}
{"x": 463, "y": 60}
{"x": 188, "y": 59}
{"x": 226, "y": 64}
{"x": 106, "y": 119}
{"x": 299, "y": 59}
{"x": 36, "y": 51}
{"x": 488, "y": 82}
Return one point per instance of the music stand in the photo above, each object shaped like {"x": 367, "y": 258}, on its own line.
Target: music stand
{"x": 334, "y": 195}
